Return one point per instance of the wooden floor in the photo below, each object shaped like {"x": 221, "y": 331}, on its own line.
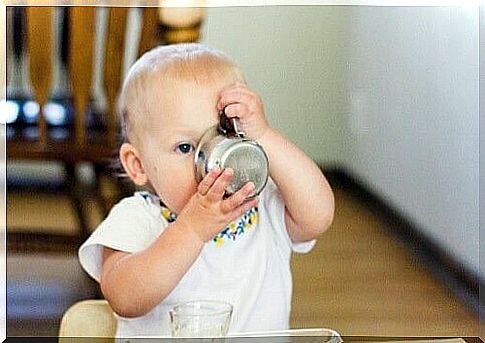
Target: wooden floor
{"x": 357, "y": 280}
{"x": 360, "y": 281}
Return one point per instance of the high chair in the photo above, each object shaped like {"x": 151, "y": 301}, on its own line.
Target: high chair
{"x": 88, "y": 318}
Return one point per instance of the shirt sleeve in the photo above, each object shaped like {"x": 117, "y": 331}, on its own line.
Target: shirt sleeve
{"x": 131, "y": 226}
{"x": 273, "y": 204}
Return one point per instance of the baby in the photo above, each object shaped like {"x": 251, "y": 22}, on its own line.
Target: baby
{"x": 185, "y": 241}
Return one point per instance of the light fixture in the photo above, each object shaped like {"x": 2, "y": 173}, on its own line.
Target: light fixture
{"x": 55, "y": 114}
{"x": 181, "y": 13}
{"x": 9, "y": 111}
{"x": 31, "y": 111}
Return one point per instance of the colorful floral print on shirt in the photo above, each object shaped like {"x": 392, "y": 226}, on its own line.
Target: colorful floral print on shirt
{"x": 231, "y": 232}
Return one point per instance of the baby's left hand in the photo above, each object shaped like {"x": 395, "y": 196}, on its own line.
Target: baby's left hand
{"x": 238, "y": 101}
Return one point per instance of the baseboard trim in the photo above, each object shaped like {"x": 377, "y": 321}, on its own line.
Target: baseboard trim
{"x": 463, "y": 283}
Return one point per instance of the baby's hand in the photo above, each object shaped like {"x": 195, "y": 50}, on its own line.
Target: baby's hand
{"x": 238, "y": 101}
{"x": 207, "y": 213}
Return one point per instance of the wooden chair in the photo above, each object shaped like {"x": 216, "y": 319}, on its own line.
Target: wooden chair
{"x": 83, "y": 144}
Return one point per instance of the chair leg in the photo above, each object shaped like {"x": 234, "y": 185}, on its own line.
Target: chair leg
{"x": 76, "y": 195}
{"x": 107, "y": 188}
{"x": 70, "y": 169}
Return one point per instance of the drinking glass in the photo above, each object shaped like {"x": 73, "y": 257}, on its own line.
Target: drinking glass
{"x": 201, "y": 319}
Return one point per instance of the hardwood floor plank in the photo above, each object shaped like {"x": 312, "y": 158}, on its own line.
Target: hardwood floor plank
{"x": 359, "y": 280}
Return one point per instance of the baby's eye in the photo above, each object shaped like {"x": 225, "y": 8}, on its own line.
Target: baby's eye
{"x": 185, "y": 148}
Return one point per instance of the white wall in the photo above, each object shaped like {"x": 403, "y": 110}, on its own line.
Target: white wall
{"x": 482, "y": 163}
{"x": 293, "y": 57}
{"x": 412, "y": 128}
{"x": 389, "y": 93}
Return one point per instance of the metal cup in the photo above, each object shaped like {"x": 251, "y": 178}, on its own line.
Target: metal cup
{"x": 224, "y": 146}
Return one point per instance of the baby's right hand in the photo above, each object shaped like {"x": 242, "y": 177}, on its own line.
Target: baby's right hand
{"x": 207, "y": 212}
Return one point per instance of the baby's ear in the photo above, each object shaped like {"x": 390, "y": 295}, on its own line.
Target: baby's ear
{"x": 130, "y": 159}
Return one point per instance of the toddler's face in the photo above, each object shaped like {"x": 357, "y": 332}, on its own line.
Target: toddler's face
{"x": 180, "y": 113}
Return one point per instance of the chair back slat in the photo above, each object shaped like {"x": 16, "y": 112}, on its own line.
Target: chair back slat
{"x": 81, "y": 64}
{"x": 39, "y": 45}
{"x": 149, "y": 30}
{"x": 113, "y": 65}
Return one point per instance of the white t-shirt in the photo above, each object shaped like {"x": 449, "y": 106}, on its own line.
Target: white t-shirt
{"x": 247, "y": 265}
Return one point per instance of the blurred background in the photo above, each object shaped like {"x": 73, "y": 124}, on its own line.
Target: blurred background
{"x": 384, "y": 99}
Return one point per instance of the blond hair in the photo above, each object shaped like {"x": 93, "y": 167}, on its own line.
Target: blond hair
{"x": 192, "y": 61}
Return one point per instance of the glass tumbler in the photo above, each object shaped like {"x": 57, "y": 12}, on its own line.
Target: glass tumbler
{"x": 201, "y": 319}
